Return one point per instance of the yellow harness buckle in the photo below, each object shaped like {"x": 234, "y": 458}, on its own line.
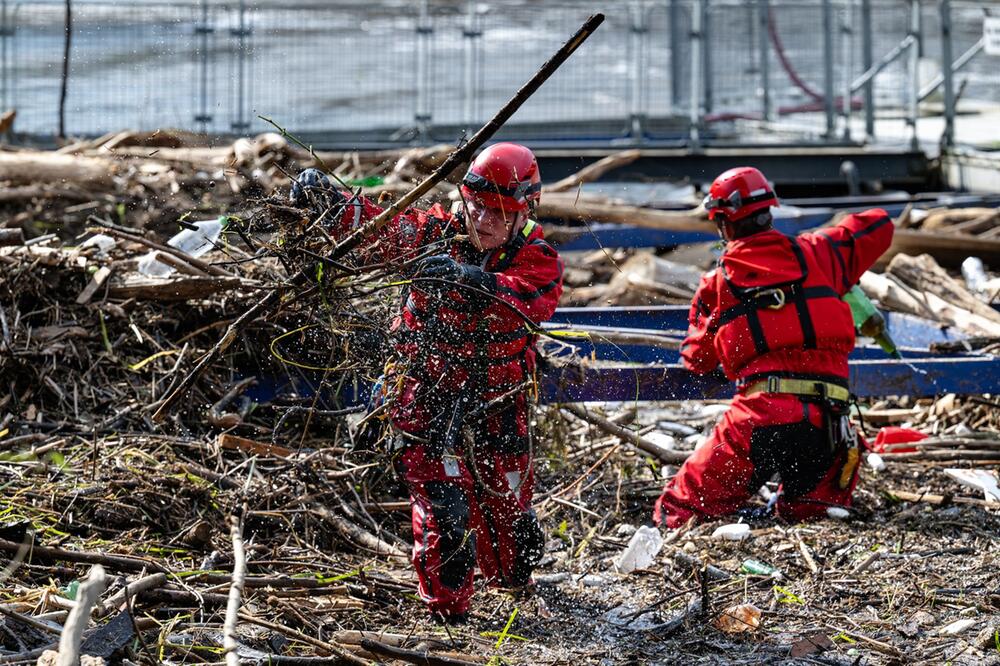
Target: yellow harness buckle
{"x": 779, "y": 298}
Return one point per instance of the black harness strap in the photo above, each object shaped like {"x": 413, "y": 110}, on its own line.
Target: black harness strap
{"x": 753, "y": 299}
{"x": 801, "y": 304}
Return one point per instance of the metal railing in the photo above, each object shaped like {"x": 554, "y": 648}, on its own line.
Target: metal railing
{"x": 685, "y": 71}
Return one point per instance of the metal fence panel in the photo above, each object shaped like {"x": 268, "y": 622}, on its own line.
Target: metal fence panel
{"x": 359, "y": 70}
{"x": 591, "y": 86}
{"x": 130, "y": 65}
{"x": 344, "y": 68}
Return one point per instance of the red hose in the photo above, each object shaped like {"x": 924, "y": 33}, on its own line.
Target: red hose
{"x": 818, "y": 100}
{"x": 779, "y": 48}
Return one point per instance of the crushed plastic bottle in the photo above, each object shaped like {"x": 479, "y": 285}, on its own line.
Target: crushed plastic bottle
{"x": 975, "y": 274}
{"x": 641, "y": 550}
{"x": 876, "y": 462}
{"x": 102, "y": 242}
{"x": 732, "y": 532}
{"x": 738, "y": 619}
{"x": 189, "y": 241}
{"x": 759, "y": 568}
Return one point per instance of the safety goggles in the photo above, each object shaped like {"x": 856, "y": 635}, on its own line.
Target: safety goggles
{"x": 735, "y": 200}
{"x": 519, "y": 192}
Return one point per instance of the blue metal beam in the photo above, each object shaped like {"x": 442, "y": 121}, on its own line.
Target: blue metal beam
{"x": 906, "y": 330}
{"x": 923, "y": 377}
{"x": 662, "y": 378}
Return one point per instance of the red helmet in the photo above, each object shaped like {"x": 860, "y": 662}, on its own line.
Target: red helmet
{"x": 738, "y": 193}
{"x": 504, "y": 176}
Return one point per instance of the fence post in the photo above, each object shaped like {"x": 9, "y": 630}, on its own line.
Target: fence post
{"x": 471, "y": 33}
{"x": 706, "y": 54}
{"x": 867, "y": 59}
{"x": 424, "y": 29}
{"x": 676, "y": 54}
{"x": 203, "y": 30}
{"x": 847, "y": 51}
{"x": 695, "y": 110}
{"x": 241, "y": 124}
{"x": 828, "y": 67}
{"x": 637, "y": 93}
{"x": 6, "y": 32}
{"x": 763, "y": 20}
{"x": 913, "y": 93}
{"x": 948, "y": 137}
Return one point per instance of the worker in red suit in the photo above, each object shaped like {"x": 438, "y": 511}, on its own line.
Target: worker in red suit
{"x": 771, "y": 314}
{"x": 457, "y": 389}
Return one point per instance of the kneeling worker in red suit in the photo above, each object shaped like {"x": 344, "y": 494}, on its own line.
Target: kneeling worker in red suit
{"x": 771, "y": 313}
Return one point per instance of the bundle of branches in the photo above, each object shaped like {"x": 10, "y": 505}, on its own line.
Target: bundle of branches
{"x": 86, "y": 350}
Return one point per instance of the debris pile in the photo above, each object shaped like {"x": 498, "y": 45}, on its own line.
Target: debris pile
{"x": 252, "y": 521}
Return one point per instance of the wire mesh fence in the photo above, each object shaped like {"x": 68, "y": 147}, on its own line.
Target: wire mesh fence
{"x": 385, "y": 72}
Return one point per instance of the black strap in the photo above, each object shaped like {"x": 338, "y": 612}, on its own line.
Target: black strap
{"x": 753, "y": 299}
{"x": 801, "y": 304}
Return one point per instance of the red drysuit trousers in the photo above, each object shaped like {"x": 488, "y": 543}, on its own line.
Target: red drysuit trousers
{"x": 760, "y": 435}
{"x": 461, "y": 519}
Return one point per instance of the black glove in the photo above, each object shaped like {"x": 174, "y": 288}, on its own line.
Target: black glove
{"x": 440, "y": 266}
{"x": 443, "y": 267}
{"x": 313, "y": 189}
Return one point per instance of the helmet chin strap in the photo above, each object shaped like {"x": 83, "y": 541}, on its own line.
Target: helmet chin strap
{"x": 731, "y": 230}
{"x": 519, "y": 225}
{"x": 723, "y": 226}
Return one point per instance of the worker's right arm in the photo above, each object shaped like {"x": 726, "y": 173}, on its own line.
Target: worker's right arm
{"x": 698, "y": 349}
{"x": 853, "y": 245}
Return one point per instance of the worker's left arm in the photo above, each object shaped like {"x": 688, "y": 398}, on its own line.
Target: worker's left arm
{"x": 533, "y": 281}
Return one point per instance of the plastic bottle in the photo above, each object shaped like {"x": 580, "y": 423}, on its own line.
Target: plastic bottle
{"x": 759, "y": 568}
{"x": 197, "y": 243}
{"x": 193, "y": 242}
{"x": 868, "y": 321}
{"x": 641, "y": 550}
{"x": 876, "y": 462}
{"x": 732, "y": 532}
{"x": 975, "y": 274}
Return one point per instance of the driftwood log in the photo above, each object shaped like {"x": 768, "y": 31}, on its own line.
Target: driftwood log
{"x": 570, "y": 207}
{"x": 25, "y": 167}
{"x": 950, "y": 249}
{"x": 923, "y": 274}
{"x": 893, "y": 295}
{"x": 593, "y": 171}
